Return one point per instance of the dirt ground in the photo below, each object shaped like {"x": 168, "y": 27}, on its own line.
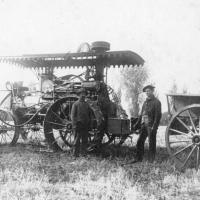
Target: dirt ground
{"x": 29, "y": 171}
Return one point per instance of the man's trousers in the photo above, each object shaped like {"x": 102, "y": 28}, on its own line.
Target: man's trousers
{"x": 81, "y": 139}
{"x": 145, "y": 132}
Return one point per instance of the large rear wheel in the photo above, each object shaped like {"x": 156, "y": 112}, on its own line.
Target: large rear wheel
{"x": 58, "y": 126}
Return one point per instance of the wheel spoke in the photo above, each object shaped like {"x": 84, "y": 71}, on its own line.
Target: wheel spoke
{"x": 55, "y": 141}
{"x": 61, "y": 129}
{"x": 178, "y": 152}
{"x": 70, "y": 137}
{"x": 173, "y": 142}
{"x": 1, "y": 137}
{"x": 2, "y": 114}
{"x": 189, "y": 156}
{"x": 65, "y": 135}
{"x": 61, "y": 109}
{"x": 4, "y": 138}
{"x": 199, "y": 125}
{"x": 57, "y": 137}
{"x": 69, "y": 113}
{"x": 64, "y": 125}
{"x": 180, "y": 132}
{"x": 8, "y": 136}
{"x": 197, "y": 164}
{"x": 192, "y": 121}
{"x": 57, "y": 115}
{"x": 50, "y": 132}
{"x": 184, "y": 124}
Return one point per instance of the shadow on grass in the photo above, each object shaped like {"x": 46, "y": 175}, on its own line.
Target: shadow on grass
{"x": 110, "y": 152}
{"x": 127, "y": 152}
{"x": 63, "y": 167}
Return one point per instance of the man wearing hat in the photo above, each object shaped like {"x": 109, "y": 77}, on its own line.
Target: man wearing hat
{"x": 81, "y": 116}
{"x": 148, "y": 123}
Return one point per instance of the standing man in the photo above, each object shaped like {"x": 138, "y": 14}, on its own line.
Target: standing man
{"x": 148, "y": 123}
{"x": 81, "y": 116}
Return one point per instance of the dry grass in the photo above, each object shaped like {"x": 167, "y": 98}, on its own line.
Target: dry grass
{"x": 26, "y": 173}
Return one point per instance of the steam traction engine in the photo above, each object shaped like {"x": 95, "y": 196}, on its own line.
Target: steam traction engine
{"x": 52, "y": 113}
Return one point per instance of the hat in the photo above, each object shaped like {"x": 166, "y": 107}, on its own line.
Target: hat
{"x": 148, "y": 87}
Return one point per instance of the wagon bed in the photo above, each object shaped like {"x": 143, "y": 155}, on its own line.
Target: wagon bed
{"x": 178, "y": 101}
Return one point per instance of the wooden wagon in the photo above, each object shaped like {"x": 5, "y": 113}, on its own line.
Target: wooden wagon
{"x": 183, "y": 130}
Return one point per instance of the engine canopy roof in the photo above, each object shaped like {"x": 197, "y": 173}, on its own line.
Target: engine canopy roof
{"x": 72, "y": 60}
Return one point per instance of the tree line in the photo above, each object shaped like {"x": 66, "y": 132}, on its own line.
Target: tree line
{"x": 132, "y": 83}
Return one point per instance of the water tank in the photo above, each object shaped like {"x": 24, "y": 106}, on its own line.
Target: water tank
{"x": 100, "y": 46}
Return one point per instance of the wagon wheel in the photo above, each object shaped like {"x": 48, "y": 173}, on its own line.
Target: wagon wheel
{"x": 183, "y": 137}
{"x": 9, "y": 133}
{"x": 32, "y": 133}
{"x": 58, "y": 126}
{"x": 30, "y": 122}
{"x": 6, "y": 99}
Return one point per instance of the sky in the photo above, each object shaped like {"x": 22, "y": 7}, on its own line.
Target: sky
{"x": 166, "y": 33}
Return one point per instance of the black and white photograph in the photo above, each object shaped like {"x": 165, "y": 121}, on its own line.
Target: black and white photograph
{"x": 99, "y": 100}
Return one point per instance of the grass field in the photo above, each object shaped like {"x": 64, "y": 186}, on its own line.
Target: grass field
{"x": 28, "y": 173}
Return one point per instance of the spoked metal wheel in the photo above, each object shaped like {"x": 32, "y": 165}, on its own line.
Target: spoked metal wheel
{"x": 32, "y": 133}
{"x": 58, "y": 126}
{"x": 9, "y": 133}
{"x": 183, "y": 137}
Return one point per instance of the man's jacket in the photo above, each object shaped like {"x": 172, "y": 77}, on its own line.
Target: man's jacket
{"x": 81, "y": 114}
{"x": 152, "y": 108}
